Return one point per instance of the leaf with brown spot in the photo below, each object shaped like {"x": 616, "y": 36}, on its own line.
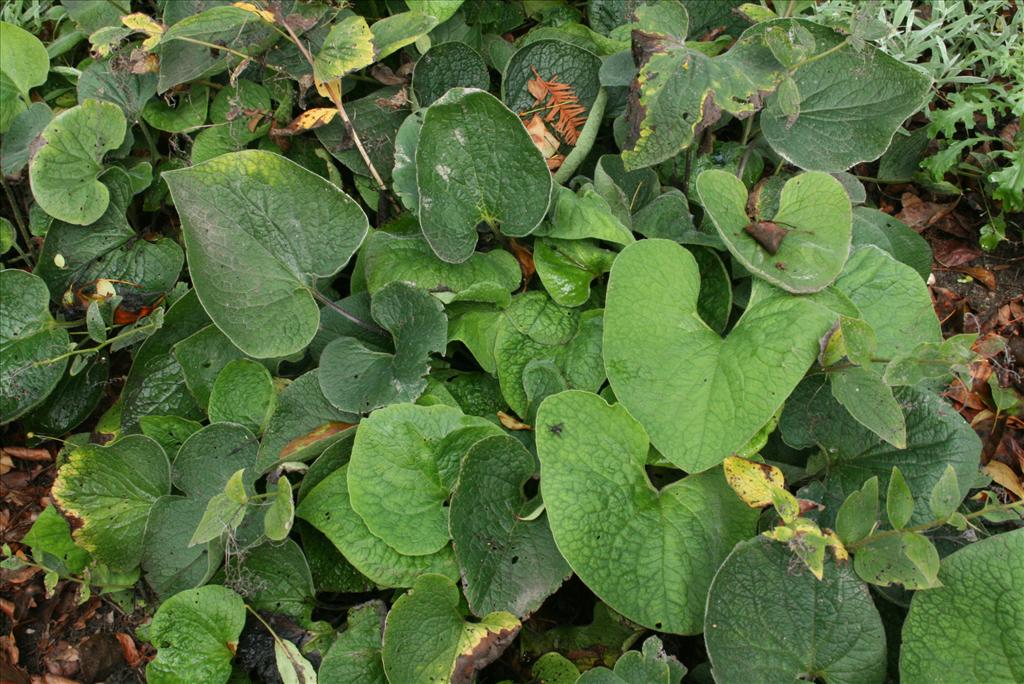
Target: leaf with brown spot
{"x": 310, "y": 438}
{"x": 767, "y": 234}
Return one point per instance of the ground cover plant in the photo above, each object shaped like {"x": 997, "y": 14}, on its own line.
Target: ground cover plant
{"x": 410, "y": 341}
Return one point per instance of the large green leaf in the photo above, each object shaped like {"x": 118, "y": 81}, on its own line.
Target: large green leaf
{"x": 971, "y": 626}
{"x": 328, "y": 508}
{"x": 358, "y": 378}
{"x": 29, "y": 337}
{"x": 851, "y": 101}
{"x": 156, "y": 382}
{"x": 872, "y": 227}
{"x": 769, "y": 619}
{"x": 536, "y": 329}
{"x": 196, "y": 633}
{"x": 451, "y": 649}
{"x": 169, "y": 563}
{"x": 188, "y": 111}
{"x": 851, "y": 454}
{"x": 476, "y": 163}
{"x": 567, "y": 267}
{"x": 110, "y": 491}
{"x": 354, "y": 657}
{"x": 112, "y": 80}
{"x": 243, "y": 393}
{"x": 15, "y": 148}
{"x": 445, "y": 66}
{"x": 508, "y": 560}
{"x": 23, "y": 65}
{"x": 712, "y": 395}
{"x": 484, "y": 277}
{"x": 404, "y": 464}
{"x": 815, "y": 213}
{"x": 616, "y": 530}
{"x": 65, "y": 171}
{"x": 277, "y": 578}
{"x": 72, "y": 400}
{"x": 255, "y": 212}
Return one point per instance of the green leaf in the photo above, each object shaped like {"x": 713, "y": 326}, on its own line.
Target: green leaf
{"x": 858, "y": 515}
{"x": 358, "y": 378}
{"x": 475, "y": 162}
{"x": 970, "y": 626}
{"x": 930, "y": 360}
{"x": 209, "y": 458}
{"x": 25, "y": 65}
{"x": 156, "y": 383}
{"x": 852, "y": 101}
{"x": 405, "y": 461}
{"x": 393, "y": 33}
{"x": 484, "y": 277}
{"x": 169, "y": 563}
{"x": 29, "y": 337}
{"x": 442, "y": 10}
{"x": 51, "y": 543}
{"x": 292, "y": 666}
{"x": 169, "y": 431}
{"x": 616, "y": 530}
{"x": 414, "y": 655}
{"x": 870, "y": 401}
{"x": 945, "y": 497}
{"x": 278, "y": 579}
{"x": 906, "y": 558}
{"x": 377, "y": 122}
{"x": 255, "y": 212}
{"x": 713, "y": 394}
{"x": 24, "y": 129}
{"x": 814, "y": 213}
{"x": 202, "y": 356}
{"x": 354, "y": 656}
{"x": 278, "y": 519}
{"x": 586, "y": 215}
{"x": 187, "y": 113}
{"x": 106, "y": 81}
{"x": 893, "y": 300}
{"x": 65, "y": 171}
{"x": 872, "y": 227}
{"x": 649, "y": 666}
{"x": 446, "y": 66}
{"x": 567, "y": 267}
{"x": 328, "y": 508}
{"x": 196, "y": 633}
{"x": 110, "y": 491}
{"x": 827, "y": 630}
{"x": 508, "y": 563}
{"x": 347, "y": 48}
{"x": 714, "y": 301}
{"x": 243, "y": 393}
{"x": 899, "y": 500}
{"x": 303, "y": 424}
{"x": 554, "y": 668}
{"x": 536, "y": 329}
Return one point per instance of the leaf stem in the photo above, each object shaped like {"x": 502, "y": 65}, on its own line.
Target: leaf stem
{"x": 93, "y": 350}
{"x": 30, "y": 256}
{"x": 931, "y": 525}
{"x": 345, "y": 314}
{"x": 586, "y": 140}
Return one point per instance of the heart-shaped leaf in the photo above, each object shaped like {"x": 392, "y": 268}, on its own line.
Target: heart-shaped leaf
{"x": 358, "y": 378}
{"x": 404, "y": 464}
{"x": 446, "y": 66}
{"x": 970, "y": 625}
{"x": 484, "y": 277}
{"x": 169, "y": 563}
{"x": 616, "y": 530}
{"x": 813, "y": 220}
{"x": 475, "y": 162}
{"x": 827, "y": 629}
{"x": 243, "y": 393}
{"x": 355, "y": 654}
{"x": 328, "y": 508}
{"x": 111, "y": 490}
{"x": 65, "y": 171}
{"x": 29, "y": 337}
{"x": 257, "y": 212}
{"x": 508, "y": 561}
{"x": 196, "y": 634}
{"x": 414, "y": 655}
{"x": 536, "y": 329}
{"x": 713, "y": 394}
{"x": 851, "y": 101}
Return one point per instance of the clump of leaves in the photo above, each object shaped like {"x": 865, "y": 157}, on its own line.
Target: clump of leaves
{"x": 479, "y": 340}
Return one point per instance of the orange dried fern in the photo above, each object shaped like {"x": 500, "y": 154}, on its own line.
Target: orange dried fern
{"x": 562, "y": 103}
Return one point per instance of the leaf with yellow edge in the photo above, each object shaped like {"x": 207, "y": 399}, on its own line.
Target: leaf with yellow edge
{"x": 809, "y": 542}
{"x": 308, "y": 120}
{"x": 1004, "y": 475}
{"x": 143, "y": 23}
{"x": 263, "y": 14}
{"x": 347, "y": 48}
{"x": 754, "y": 482}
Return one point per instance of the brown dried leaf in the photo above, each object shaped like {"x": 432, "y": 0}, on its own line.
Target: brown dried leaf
{"x": 767, "y": 234}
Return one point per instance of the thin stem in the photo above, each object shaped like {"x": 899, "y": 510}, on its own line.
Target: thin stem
{"x": 236, "y": 53}
{"x": 335, "y": 96}
{"x": 20, "y": 221}
{"x": 93, "y": 350}
{"x": 154, "y": 155}
{"x": 345, "y": 314}
{"x": 789, "y": 8}
{"x": 820, "y": 55}
{"x": 748, "y": 125}
{"x": 586, "y": 140}
{"x": 931, "y": 525}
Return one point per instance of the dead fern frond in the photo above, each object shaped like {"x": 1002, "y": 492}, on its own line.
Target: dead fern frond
{"x": 562, "y": 103}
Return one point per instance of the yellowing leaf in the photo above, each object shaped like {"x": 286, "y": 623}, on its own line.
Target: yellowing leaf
{"x": 144, "y": 24}
{"x": 754, "y": 482}
{"x": 261, "y": 13}
{"x": 308, "y": 120}
{"x": 1004, "y": 475}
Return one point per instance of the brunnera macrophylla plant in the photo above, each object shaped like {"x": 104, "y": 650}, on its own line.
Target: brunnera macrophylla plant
{"x": 452, "y": 301}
